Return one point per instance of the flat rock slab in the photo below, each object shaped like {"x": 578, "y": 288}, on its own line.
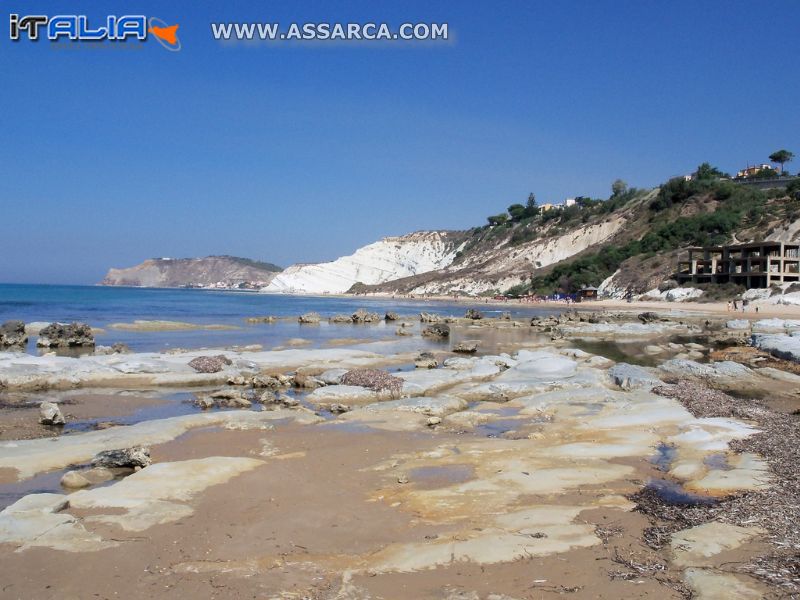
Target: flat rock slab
{"x": 30, "y": 457}
{"x": 696, "y": 546}
{"x": 786, "y": 347}
{"x": 157, "y": 494}
{"x": 24, "y": 371}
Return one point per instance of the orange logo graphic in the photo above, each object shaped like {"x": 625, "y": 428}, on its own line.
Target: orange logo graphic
{"x": 167, "y": 35}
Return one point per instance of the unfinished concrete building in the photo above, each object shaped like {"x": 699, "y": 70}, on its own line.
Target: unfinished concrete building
{"x": 753, "y": 265}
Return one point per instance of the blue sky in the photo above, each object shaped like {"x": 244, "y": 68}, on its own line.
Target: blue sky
{"x": 303, "y": 152}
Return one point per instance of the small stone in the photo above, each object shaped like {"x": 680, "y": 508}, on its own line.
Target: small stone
{"x": 402, "y": 479}
{"x": 74, "y": 480}
{"x": 466, "y": 347}
{"x": 310, "y": 318}
{"x": 437, "y": 330}
{"x": 339, "y": 408}
{"x": 391, "y": 316}
{"x": 302, "y": 380}
{"x": 100, "y": 474}
{"x": 137, "y": 456}
{"x": 433, "y": 421}
{"x": 288, "y": 401}
{"x": 473, "y": 314}
{"x": 50, "y": 414}
{"x": 426, "y": 360}
{"x": 204, "y": 402}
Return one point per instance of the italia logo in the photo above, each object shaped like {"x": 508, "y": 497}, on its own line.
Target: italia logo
{"x": 79, "y": 28}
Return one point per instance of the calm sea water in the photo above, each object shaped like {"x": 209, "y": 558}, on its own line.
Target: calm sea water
{"x": 102, "y": 306}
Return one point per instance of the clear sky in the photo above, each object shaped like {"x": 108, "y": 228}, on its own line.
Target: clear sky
{"x": 298, "y": 152}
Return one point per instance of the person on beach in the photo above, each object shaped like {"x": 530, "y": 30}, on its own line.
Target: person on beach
{"x": 729, "y": 306}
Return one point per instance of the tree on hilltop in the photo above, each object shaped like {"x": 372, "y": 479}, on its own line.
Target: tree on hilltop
{"x": 781, "y": 157}
{"x": 618, "y": 187}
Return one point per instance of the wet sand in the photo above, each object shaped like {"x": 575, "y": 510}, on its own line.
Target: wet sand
{"x": 295, "y": 526}
{"x": 19, "y": 415}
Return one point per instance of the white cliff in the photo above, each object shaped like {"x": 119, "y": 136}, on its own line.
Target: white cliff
{"x": 385, "y": 260}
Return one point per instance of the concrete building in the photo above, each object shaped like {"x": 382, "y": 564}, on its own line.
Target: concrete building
{"x": 569, "y": 202}
{"x": 753, "y": 265}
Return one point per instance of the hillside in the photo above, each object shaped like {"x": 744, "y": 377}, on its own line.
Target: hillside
{"x": 629, "y": 242}
{"x": 385, "y": 260}
{"x": 211, "y": 271}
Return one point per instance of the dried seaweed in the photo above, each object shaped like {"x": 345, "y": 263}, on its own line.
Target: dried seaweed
{"x": 775, "y": 509}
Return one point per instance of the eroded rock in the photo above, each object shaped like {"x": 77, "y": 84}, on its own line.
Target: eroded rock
{"x": 50, "y": 414}
{"x": 12, "y": 333}
{"x": 60, "y": 335}
{"x": 137, "y": 456}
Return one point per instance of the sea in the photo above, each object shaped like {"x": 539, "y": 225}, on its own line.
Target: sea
{"x": 102, "y": 307}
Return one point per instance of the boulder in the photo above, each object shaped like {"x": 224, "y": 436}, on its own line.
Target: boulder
{"x": 265, "y": 381}
{"x": 682, "y": 294}
{"x": 363, "y": 316}
{"x": 12, "y": 333}
{"x": 505, "y": 316}
{"x": 138, "y": 456}
{"x": 437, "y": 330}
{"x": 210, "y": 364}
{"x": 50, "y": 414}
{"x": 338, "y": 408}
{"x": 426, "y": 317}
{"x": 473, "y": 314}
{"x": 391, "y": 316}
{"x": 60, "y": 335}
{"x": 649, "y": 317}
{"x": 402, "y": 331}
{"x": 341, "y": 319}
{"x": 466, "y": 347}
{"x": 310, "y": 318}
{"x": 426, "y": 360}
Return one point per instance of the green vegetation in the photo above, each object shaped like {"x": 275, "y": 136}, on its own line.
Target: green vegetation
{"x": 731, "y": 207}
{"x": 256, "y": 264}
{"x": 706, "y": 171}
{"x": 793, "y": 189}
{"x": 497, "y": 219}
